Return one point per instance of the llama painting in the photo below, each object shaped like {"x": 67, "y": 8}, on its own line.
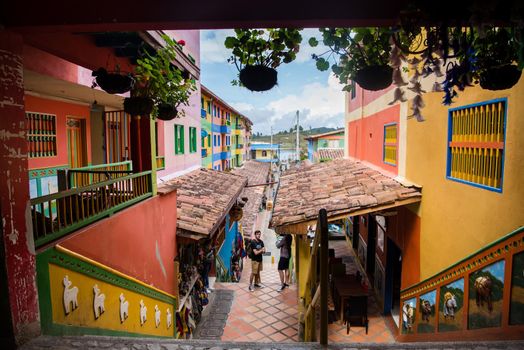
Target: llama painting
{"x": 143, "y": 313}
{"x": 169, "y": 318}
{"x": 98, "y": 302}
{"x": 486, "y": 287}
{"x": 427, "y": 312}
{"x": 451, "y": 304}
{"x": 157, "y": 316}
{"x": 124, "y": 308}
{"x": 70, "y": 296}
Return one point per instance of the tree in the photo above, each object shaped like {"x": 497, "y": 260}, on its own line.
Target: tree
{"x": 300, "y": 128}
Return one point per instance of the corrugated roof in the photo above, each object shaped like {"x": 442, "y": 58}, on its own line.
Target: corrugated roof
{"x": 334, "y": 132}
{"x": 204, "y": 197}
{"x": 342, "y": 187}
{"x": 328, "y": 153}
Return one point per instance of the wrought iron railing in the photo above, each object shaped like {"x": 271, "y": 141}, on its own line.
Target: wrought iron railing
{"x": 58, "y": 214}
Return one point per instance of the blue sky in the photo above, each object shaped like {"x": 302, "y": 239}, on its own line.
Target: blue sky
{"x": 316, "y": 95}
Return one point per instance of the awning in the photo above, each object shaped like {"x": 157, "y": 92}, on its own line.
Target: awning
{"x": 343, "y": 187}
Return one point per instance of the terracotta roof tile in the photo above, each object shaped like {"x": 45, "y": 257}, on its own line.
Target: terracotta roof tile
{"x": 340, "y": 186}
{"x": 204, "y": 196}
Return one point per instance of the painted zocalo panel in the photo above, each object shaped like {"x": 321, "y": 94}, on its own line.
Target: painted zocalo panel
{"x": 79, "y": 300}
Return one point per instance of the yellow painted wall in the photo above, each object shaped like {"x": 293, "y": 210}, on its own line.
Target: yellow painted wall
{"x": 458, "y": 219}
{"x": 268, "y": 156}
{"x": 84, "y": 315}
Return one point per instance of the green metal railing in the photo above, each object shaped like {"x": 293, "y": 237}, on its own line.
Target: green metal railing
{"x": 80, "y": 177}
{"x": 58, "y": 214}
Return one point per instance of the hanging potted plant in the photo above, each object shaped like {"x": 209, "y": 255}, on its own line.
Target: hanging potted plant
{"x": 115, "y": 82}
{"x": 361, "y": 55}
{"x": 496, "y": 59}
{"x": 160, "y": 86}
{"x": 258, "y": 52}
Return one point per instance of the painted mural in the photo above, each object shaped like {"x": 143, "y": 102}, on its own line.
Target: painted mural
{"x": 409, "y": 308}
{"x": 451, "y": 306}
{"x": 486, "y": 288}
{"x": 427, "y": 305}
{"x": 516, "y": 308}
{"x": 90, "y": 299}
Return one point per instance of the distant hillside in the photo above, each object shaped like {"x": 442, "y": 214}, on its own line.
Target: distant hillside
{"x": 288, "y": 140}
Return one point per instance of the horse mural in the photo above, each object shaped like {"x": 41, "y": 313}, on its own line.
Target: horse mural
{"x": 450, "y": 304}
{"x": 483, "y": 288}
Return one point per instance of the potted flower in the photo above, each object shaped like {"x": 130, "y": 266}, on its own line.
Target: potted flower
{"x": 114, "y": 82}
{"x": 257, "y": 52}
{"x": 361, "y": 55}
{"x": 160, "y": 86}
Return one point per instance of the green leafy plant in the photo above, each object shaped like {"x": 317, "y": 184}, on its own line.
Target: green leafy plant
{"x": 159, "y": 79}
{"x": 355, "y": 52}
{"x": 257, "y": 52}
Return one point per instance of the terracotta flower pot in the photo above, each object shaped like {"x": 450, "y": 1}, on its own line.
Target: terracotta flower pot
{"x": 500, "y": 77}
{"x": 166, "y": 112}
{"x": 138, "y": 105}
{"x": 258, "y": 78}
{"x": 113, "y": 83}
{"x": 374, "y": 78}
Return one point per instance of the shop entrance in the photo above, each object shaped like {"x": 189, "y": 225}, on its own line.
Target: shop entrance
{"x": 393, "y": 278}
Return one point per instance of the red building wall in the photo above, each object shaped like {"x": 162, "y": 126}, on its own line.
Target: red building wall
{"x": 62, "y": 110}
{"x": 139, "y": 241}
{"x": 366, "y": 137}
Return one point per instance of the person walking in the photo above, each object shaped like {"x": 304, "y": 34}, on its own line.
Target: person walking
{"x": 257, "y": 249}
{"x": 284, "y": 243}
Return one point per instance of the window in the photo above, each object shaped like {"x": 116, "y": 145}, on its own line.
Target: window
{"x": 192, "y": 139}
{"x": 476, "y": 141}
{"x": 353, "y": 90}
{"x": 208, "y": 140}
{"x": 179, "y": 139}
{"x": 218, "y": 140}
{"x": 214, "y": 111}
{"x": 390, "y": 144}
{"x": 202, "y": 102}
{"x": 264, "y": 153}
{"x": 214, "y": 140}
{"x": 208, "y": 107}
{"x": 227, "y": 141}
{"x": 41, "y": 134}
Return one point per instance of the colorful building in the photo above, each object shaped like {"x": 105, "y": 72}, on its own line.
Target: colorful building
{"x": 225, "y": 133}
{"x": 265, "y": 152}
{"x": 326, "y": 146}
{"x": 467, "y": 158}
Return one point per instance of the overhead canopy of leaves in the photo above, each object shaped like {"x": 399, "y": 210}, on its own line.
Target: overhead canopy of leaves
{"x": 158, "y": 78}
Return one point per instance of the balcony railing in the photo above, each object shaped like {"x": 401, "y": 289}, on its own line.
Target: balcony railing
{"x": 58, "y": 214}
{"x": 204, "y": 152}
{"x": 203, "y": 113}
{"x": 80, "y": 177}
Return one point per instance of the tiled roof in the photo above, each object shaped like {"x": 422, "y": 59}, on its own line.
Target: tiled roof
{"x": 329, "y": 153}
{"x": 204, "y": 197}
{"x": 334, "y": 132}
{"x": 256, "y": 173}
{"x": 341, "y": 187}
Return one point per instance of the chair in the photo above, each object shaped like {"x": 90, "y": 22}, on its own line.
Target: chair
{"x": 356, "y": 312}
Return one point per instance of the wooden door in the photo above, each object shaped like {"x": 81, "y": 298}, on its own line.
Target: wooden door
{"x": 76, "y": 142}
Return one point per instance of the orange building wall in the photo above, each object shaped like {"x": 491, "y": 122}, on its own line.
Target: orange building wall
{"x": 363, "y": 98}
{"x": 61, "y": 110}
{"x": 139, "y": 241}
{"x": 409, "y": 227}
{"x": 366, "y": 137}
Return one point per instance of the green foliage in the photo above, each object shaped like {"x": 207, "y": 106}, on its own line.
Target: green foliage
{"x": 265, "y": 47}
{"x": 159, "y": 79}
{"x": 352, "y": 49}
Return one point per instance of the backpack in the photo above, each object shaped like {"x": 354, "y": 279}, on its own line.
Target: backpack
{"x": 249, "y": 250}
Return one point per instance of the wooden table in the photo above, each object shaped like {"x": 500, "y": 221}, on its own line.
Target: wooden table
{"x": 345, "y": 287}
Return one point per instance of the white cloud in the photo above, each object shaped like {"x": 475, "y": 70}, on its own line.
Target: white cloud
{"x": 212, "y": 49}
{"x": 318, "y": 105}
{"x": 306, "y": 50}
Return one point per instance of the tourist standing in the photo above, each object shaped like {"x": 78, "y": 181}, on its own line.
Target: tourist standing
{"x": 284, "y": 243}
{"x": 257, "y": 249}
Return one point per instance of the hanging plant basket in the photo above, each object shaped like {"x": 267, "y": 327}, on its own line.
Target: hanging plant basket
{"x": 113, "y": 82}
{"x": 166, "y": 112}
{"x": 500, "y": 77}
{"x": 138, "y": 105}
{"x": 258, "y": 78}
{"x": 236, "y": 213}
{"x": 374, "y": 78}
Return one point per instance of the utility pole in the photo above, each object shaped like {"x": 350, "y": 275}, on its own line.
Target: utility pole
{"x": 271, "y": 147}
{"x": 298, "y": 139}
